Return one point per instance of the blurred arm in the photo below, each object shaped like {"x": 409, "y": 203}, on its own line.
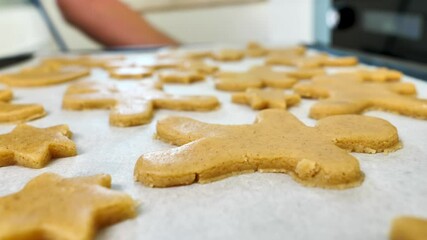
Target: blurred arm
{"x": 112, "y": 23}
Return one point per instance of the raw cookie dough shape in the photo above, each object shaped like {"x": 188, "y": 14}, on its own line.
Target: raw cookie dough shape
{"x": 33, "y": 147}
{"x": 228, "y": 55}
{"x": 43, "y": 77}
{"x": 134, "y": 105}
{"x": 408, "y": 228}
{"x": 5, "y": 95}
{"x": 350, "y": 94}
{"x": 256, "y": 77}
{"x": 316, "y": 61}
{"x": 130, "y": 72}
{"x": 306, "y": 73}
{"x": 17, "y": 112}
{"x": 52, "y": 207}
{"x": 380, "y": 75}
{"x": 276, "y": 142}
{"x": 180, "y": 76}
{"x": 266, "y": 98}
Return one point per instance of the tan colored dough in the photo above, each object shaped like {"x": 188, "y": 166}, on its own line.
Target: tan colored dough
{"x": 34, "y": 147}
{"x": 199, "y": 66}
{"x": 306, "y": 73}
{"x": 130, "y": 72}
{"x": 43, "y": 77}
{"x": 180, "y": 76}
{"x": 351, "y": 94}
{"x": 276, "y": 142}
{"x": 133, "y": 105}
{"x": 266, "y": 98}
{"x": 256, "y": 77}
{"x": 316, "y": 61}
{"x": 15, "y": 113}
{"x": 5, "y": 95}
{"x": 228, "y": 55}
{"x": 408, "y": 228}
{"x": 380, "y": 75}
{"x": 254, "y": 49}
{"x": 52, "y": 207}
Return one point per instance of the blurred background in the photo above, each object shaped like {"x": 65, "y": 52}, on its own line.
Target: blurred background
{"x": 189, "y": 21}
{"x": 396, "y": 29}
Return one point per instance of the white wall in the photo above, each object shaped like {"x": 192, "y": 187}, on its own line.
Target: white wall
{"x": 22, "y": 30}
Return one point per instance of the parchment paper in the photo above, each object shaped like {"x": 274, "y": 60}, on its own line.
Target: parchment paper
{"x": 249, "y": 206}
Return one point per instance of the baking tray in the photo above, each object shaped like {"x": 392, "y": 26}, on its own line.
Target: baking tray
{"x": 248, "y": 206}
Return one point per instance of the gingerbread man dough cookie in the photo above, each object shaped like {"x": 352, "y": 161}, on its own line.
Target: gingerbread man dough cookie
{"x": 266, "y": 98}
{"x": 52, "y": 207}
{"x": 409, "y": 228}
{"x": 133, "y": 105}
{"x": 351, "y": 94}
{"x": 256, "y": 77}
{"x": 276, "y": 142}
{"x": 34, "y": 147}
{"x": 315, "y": 61}
{"x": 44, "y": 76}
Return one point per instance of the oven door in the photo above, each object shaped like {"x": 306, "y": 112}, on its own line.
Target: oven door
{"x": 396, "y": 28}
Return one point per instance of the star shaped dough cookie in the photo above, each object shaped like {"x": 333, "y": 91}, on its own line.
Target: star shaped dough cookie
{"x": 132, "y": 105}
{"x": 409, "y": 228}
{"x": 315, "y": 61}
{"x": 266, "y": 98}
{"x": 256, "y": 77}
{"x": 33, "y": 147}
{"x": 44, "y": 76}
{"x": 351, "y": 94}
{"x": 17, "y": 112}
{"x": 52, "y": 207}
{"x": 276, "y": 142}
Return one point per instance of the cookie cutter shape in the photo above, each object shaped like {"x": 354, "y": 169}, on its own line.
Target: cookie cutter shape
{"x": 266, "y": 98}
{"x": 43, "y": 77}
{"x": 180, "y": 76}
{"x": 350, "y": 94}
{"x": 52, "y": 207}
{"x": 133, "y": 105}
{"x": 276, "y": 142}
{"x": 315, "y": 61}
{"x": 33, "y": 147}
{"x": 256, "y": 77}
{"x": 408, "y": 228}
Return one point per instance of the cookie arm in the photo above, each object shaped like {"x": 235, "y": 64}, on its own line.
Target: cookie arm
{"x": 131, "y": 112}
{"x": 360, "y": 133}
{"x": 181, "y": 130}
{"x": 6, "y": 157}
{"x": 331, "y": 107}
{"x": 187, "y": 103}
